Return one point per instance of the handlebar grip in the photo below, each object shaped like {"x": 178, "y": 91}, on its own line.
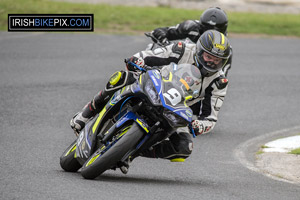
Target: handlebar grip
{"x": 138, "y": 67}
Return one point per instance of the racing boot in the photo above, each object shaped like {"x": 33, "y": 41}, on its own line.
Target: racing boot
{"x": 90, "y": 110}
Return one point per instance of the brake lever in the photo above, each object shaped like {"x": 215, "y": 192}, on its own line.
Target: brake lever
{"x": 165, "y": 42}
{"x": 150, "y": 35}
{"x": 138, "y": 67}
{"x": 192, "y": 130}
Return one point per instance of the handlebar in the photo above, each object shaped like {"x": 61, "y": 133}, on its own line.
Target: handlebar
{"x": 192, "y": 130}
{"x": 138, "y": 67}
{"x": 164, "y": 42}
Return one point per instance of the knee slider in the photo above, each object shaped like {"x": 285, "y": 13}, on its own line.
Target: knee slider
{"x": 115, "y": 78}
{"x": 116, "y": 81}
{"x": 186, "y": 147}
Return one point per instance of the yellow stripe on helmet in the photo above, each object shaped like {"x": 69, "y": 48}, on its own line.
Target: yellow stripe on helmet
{"x": 223, "y": 38}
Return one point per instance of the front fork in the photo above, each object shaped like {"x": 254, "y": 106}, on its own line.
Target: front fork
{"x": 149, "y": 140}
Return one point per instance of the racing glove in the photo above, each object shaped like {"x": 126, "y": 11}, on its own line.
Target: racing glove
{"x": 202, "y": 126}
{"x": 78, "y": 122}
{"x": 160, "y": 34}
{"x": 138, "y": 61}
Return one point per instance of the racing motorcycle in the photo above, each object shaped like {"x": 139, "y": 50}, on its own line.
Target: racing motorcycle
{"x": 136, "y": 117}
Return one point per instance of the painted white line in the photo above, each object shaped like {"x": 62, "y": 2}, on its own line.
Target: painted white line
{"x": 283, "y": 145}
{"x": 275, "y": 149}
{"x": 241, "y": 150}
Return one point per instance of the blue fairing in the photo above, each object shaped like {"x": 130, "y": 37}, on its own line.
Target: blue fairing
{"x": 131, "y": 116}
{"x": 185, "y": 112}
{"x": 135, "y": 88}
{"x": 156, "y": 79}
{"x": 128, "y": 116}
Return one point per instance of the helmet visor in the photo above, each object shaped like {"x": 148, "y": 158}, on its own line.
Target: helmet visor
{"x": 210, "y": 62}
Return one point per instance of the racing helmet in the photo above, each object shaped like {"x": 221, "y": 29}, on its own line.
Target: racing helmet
{"x": 214, "y": 18}
{"x": 212, "y": 52}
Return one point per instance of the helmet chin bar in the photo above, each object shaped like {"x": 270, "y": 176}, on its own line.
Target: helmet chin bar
{"x": 204, "y": 72}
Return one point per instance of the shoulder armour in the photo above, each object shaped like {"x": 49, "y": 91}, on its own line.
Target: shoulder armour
{"x": 189, "y": 25}
{"x": 221, "y": 82}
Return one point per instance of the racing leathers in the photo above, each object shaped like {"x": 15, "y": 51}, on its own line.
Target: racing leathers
{"x": 207, "y": 104}
{"x": 190, "y": 29}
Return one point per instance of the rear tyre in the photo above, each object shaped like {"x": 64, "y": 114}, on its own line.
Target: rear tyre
{"x": 68, "y": 159}
{"x": 106, "y": 158}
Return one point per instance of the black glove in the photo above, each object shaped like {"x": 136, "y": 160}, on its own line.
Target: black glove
{"x": 159, "y": 34}
{"x": 138, "y": 61}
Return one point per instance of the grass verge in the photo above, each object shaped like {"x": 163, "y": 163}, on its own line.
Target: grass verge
{"x": 125, "y": 19}
{"x": 296, "y": 151}
{"x": 260, "y": 152}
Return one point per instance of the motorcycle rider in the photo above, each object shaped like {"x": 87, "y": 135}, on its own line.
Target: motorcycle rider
{"x": 210, "y": 54}
{"x": 212, "y": 18}
{"x": 191, "y": 30}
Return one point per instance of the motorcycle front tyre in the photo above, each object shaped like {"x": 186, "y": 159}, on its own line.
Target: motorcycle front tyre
{"x": 68, "y": 159}
{"x": 100, "y": 162}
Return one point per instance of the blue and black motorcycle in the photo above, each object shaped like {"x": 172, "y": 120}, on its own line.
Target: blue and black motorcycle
{"x": 136, "y": 117}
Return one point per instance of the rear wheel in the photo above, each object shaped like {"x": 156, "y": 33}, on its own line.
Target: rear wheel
{"x": 68, "y": 159}
{"x": 108, "y": 156}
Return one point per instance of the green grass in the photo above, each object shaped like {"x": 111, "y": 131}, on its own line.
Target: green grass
{"x": 124, "y": 19}
{"x": 263, "y": 147}
{"x": 259, "y": 152}
{"x": 296, "y": 151}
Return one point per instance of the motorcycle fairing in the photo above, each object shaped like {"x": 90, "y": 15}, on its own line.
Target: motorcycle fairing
{"x": 161, "y": 86}
{"x": 85, "y": 142}
{"x": 131, "y": 116}
{"x": 87, "y": 135}
{"x": 120, "y": 94}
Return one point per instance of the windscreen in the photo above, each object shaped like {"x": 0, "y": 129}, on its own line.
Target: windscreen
{"x": 180, "y": 82}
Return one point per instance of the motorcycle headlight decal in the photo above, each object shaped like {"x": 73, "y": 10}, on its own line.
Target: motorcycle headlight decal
{"x": 152, "y": 93}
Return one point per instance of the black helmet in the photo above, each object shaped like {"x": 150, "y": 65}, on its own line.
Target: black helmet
{"x": 212, "y": 52}
{"x": 214, "y": 18}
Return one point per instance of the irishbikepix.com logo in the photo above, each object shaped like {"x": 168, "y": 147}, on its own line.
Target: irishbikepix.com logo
{"x": 50, "y": 22}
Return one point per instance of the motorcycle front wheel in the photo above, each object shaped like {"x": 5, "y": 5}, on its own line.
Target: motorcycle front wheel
{"x": 68, "y": 159}
{"x": 108, "y": 156}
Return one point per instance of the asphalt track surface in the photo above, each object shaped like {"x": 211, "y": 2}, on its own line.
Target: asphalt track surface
{"x": 46, "y": 78}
